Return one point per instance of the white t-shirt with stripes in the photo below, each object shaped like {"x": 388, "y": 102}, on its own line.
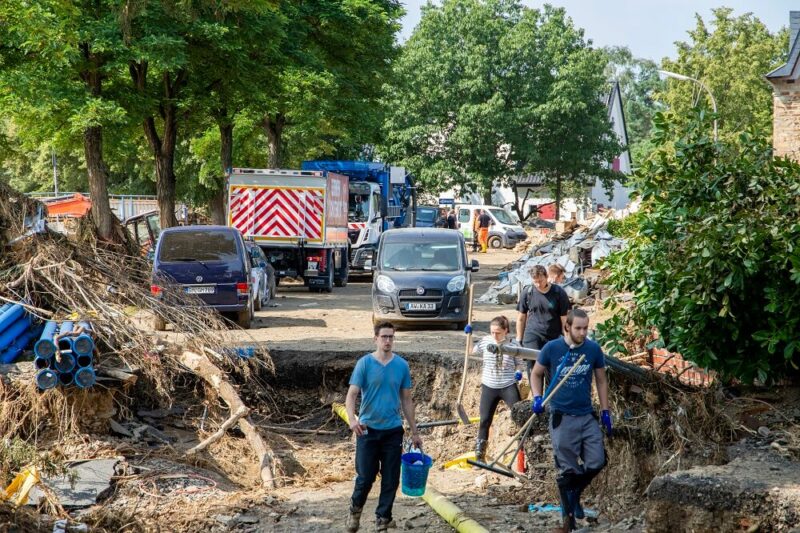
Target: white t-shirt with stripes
{"x": 498, "y": 372}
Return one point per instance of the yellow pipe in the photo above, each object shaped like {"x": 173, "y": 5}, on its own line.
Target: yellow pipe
{"x": 451, "y": 513}
{"x": 341, "y": 410}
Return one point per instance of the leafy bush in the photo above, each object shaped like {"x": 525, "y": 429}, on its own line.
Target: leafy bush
{"x": 624, "y": 228}
{"x": 714, "y": 265}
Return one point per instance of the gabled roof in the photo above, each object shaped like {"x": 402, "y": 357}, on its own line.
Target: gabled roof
{"x": 789, "y": 69}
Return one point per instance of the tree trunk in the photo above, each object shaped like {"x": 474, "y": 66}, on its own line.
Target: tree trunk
{"x": 96, "y": 168}
{"x": 218, "y": 201}
{"x": 558, "y": 198}
{"x": 162, "y": 148}
{"x": 487, "y": 195}
{"x": 165, "y": 188}
{"x": 274, "y": 130}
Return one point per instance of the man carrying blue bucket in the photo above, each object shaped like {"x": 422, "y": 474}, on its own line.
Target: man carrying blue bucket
{"x": 574, "y": 430}
{"x": 384, "y": 381}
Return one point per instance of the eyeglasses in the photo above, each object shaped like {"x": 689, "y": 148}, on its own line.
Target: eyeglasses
{"x": 387, "y": 337}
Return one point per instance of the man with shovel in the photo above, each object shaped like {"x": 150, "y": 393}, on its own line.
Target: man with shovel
{"x": 576, "y": 437}
{"x": 384, "y": 381}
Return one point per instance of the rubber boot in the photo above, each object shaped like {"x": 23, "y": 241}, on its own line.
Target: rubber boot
{"x": 382, "y": 524}
{"x": 480, "y": 450}
{"x": 568, "y": 499}
{"x": 353, "y": 520}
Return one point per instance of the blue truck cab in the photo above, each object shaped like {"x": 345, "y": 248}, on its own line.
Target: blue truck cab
{"x": 380, "y": 197}
{"x": 208, "y": 262}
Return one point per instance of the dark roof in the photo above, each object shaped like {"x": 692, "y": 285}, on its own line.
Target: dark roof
{"x": 421, "y": 234}
{"x": 785, "y": 70}
{"x": 198, "y": 227}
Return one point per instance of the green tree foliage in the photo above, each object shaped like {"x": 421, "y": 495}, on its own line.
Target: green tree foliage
{"x": 731, "y": 58}
{"x": 714, "y": 264}
{"x": 325, "y": 101}
{"x": 57, "y": 62}
{"x": 487, "y": 89}
{"x": 639, "y": 82}
{"x": 146, "y": 96}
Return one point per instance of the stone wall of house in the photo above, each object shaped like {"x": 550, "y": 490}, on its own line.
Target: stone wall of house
{"x": 786, "y": 119}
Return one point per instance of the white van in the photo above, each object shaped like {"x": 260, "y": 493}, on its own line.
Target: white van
{"x": 506, "y": 231}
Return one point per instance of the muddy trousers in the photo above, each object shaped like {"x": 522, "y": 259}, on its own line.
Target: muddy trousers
{"x": 579, "y": 455}
{"x": 378, "y": 450}
{"x": 490, "y": 398}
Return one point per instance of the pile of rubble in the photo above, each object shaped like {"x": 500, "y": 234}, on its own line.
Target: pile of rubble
{"x": 577, "y": 248}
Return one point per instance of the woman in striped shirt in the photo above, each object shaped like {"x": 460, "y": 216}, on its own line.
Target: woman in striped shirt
{"x": 498, "y": 381}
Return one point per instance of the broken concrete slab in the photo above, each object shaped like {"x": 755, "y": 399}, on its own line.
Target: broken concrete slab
{"x": 83, "y": 484}
{"x": 758, "y": 491}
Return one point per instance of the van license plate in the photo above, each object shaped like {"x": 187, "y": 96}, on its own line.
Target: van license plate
{"x": 423, "y": 306}
{"x": 207, "y": 289}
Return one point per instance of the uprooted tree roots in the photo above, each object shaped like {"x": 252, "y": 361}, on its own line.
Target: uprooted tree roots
{"x": 57, "y": 278}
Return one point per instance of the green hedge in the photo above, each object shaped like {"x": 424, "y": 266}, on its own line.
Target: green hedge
{"x": 713, "y": 261}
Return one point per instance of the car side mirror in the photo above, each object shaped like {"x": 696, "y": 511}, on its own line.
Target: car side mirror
{"x": 368, "y": 265}
{"x": 262, "y": 264}
{"x": 475, "y": 266}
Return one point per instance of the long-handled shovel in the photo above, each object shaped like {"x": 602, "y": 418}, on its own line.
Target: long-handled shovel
{"x": 522, "y": 434}
{"x": 462, "y": 413}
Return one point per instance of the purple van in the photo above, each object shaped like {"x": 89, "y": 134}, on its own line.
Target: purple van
{"x": 209, "y": 262}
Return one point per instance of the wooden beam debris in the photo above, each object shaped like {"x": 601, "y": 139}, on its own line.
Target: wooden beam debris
{"x": 200, "y": 365}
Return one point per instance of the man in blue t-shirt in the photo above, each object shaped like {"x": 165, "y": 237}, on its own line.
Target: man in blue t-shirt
{"x": 576, "y": 436}
{"x": 384, "y": 381}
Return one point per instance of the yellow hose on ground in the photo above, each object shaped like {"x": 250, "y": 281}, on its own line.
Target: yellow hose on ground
{"x": 341, "y": 410}
{"x": 451, "y": 513}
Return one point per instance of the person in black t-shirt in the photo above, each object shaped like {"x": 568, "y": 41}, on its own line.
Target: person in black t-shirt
{"x": 451, "y": 219}
{"x": 543, "y": 312}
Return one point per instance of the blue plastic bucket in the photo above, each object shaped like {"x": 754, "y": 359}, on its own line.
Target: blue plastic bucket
{"x": 414, "y": 476}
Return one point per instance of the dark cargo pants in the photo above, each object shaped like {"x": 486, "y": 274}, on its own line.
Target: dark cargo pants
{"x": 378, "y": 450}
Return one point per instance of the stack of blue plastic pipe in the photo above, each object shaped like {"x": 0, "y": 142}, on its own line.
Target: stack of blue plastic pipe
{"x": 17, "y": 331}
{"x": 64, "y": 356}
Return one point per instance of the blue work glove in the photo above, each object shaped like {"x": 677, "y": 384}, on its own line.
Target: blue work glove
{"x": 605, "y": 418}
{"x": 468, "y": 329}
{"x": 518, "y": 375}
{"x": 537, "y": 406}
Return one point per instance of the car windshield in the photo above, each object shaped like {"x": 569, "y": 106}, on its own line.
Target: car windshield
{"x": 502, "y": 216}
{"x": 431, "y": 256}
{"x": 427, "y": 214}
{"x": 200, "y": 245}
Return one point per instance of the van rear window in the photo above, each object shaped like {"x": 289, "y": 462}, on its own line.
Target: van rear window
{"x": 198, "y": 246}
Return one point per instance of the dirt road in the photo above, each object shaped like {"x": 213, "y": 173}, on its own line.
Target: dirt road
{"x": 341, "y": 321}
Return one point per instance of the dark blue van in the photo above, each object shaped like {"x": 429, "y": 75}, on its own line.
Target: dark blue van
{"x": 209, "y": 262}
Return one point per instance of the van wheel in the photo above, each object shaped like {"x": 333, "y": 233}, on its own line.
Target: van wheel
{"x": 244, "y": 318}
{"x": 495, "y": 242}
{"x": 159, "y": 324}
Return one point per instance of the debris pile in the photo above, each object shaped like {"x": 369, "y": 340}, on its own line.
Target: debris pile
{"x": 576, "y": 249}
{"x": 79, "y": 313}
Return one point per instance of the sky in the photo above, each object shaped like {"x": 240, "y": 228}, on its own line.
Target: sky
{"x": 648, "y": 27}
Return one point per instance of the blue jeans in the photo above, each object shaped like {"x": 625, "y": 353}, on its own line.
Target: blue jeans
{"x": 379, "y": 449}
